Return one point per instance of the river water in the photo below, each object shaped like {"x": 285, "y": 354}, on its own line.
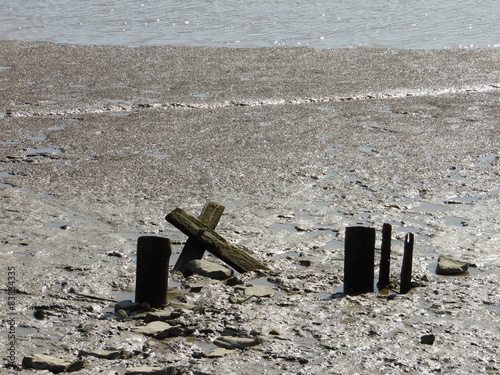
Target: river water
{"x": 416, "y": 24}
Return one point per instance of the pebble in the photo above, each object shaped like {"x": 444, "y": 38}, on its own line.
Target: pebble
{"x": 427, "y": 339}
{"x": 127, "y": 305}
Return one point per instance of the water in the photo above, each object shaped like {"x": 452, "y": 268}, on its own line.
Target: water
{"x": 430, "y": 24}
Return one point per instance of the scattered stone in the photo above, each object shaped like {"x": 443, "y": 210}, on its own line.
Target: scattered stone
{"x": 231, "y": 342}
{"x": 159, "y": 330}
{"x": 305, "y": 262}
{"x": 121, "y": 315}
{"x": 259, "y": 291}
{"x": 209, "y": 269}
{"x": 219, "y": 352}
{"x": 53, "y": 364}
{"x": 427, "y": 339}
{"x": 173, "y": 331}
{"x": 152, "y": 328}
{"x": 146, "y": 370}
{"x": 275, "y": 332}
{"x": 128, "y": 306}
{"x": 161, "y": 315}
{"x": 105, "y": 354}
{"x": 182, "y": 305}
{"x": 448, "y": 266}
{"x": 228, "y": 331}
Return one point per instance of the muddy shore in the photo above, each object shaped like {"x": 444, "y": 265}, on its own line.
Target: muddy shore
{"x": 98, "y": 144}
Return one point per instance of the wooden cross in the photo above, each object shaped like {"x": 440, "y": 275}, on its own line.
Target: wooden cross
{"x": 202, "y": 236}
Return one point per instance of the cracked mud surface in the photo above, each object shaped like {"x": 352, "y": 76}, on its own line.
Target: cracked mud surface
{"x": 99, "y": 143}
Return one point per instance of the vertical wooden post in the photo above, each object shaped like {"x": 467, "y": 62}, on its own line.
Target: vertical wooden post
{"x": 405, "y": 284}
{"x": 210, "y": 215}
{"x": 153, "y": 254}
{"x": 359, "y": 260}
{"x": 385, "y": 257}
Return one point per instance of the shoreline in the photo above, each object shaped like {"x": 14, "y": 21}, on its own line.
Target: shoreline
{"x": 96, "y": 152}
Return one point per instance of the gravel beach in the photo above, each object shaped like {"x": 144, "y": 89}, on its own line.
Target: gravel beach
{"x": 99, "y": 143}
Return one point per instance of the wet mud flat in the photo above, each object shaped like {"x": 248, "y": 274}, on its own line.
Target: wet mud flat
{"x": 99, "y": 143}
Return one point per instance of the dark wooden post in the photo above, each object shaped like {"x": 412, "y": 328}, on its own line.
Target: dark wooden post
{"x": 359, "y": 260}
{"x": 153, "y": 254}
{"x": 405, "y": 284}
{"x": 192, "y": 250}
{"x": 385, "y": 257}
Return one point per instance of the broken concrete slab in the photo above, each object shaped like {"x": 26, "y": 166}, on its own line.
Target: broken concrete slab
{"x": 449, "y": 266}
{"x": 53, "y": 364}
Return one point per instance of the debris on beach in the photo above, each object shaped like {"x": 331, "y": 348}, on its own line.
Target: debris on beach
{"x": 449, "y": 266}
{"x": 53, "y": 364}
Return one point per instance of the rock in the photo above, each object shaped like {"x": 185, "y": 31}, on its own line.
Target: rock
{"x": 127, "y": 305}
{"x": 53, "y": 364}
{"x": 152, "y": 328}
{"x": 448, "y": 266}
{"x": 146, "y": 370}
{"x": 230, "y": 342}
{"x": 228, "y": 331}
{"x": 105, "y": 354}
{"x": 182, "y": 305}
{"x": 275, "y": 332}
{"x": 259, "y": 291}
{"x": 209, "y": 269}
{"x": 121, "y": 315}
{"x": 161, "y": 315}
{"x": 173, "y": 331}
{"x": 427, "y": 339}
{"x": 159, "y": 330}
{"x": 220, "y": 352}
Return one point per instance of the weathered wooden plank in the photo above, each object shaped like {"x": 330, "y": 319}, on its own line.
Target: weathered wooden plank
{"x": 153, "y": 254}
{"x": 210, "y": 215}
{"x": 213, "y": 242}
{"x": 406, "y": 268}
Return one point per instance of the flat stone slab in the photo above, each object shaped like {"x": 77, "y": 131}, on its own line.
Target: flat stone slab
{"x": 209, "y": 269}
{"x": 259, "y": 291}
{"x": 161, "y": 315}
{"x": 145, "y": 370}
{"x": 229, "y": 342}
{"x": 105, "y": 354}
{"x": 53, "y": 364}
{"x": 449, "y": 266}
{"x": 152, "y": 328}
{"x": 220, "y": 352}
